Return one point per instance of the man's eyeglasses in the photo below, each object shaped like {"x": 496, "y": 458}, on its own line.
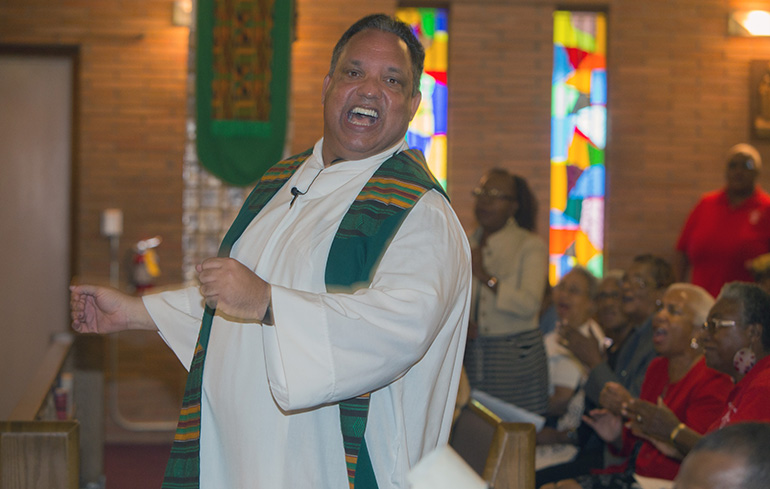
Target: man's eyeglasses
{"x": 742, "y": 163}
{"x": 492, "y": 193}
{"x": 615, "y": 295}
{"x": 637, "y": 282}
{"x": 714, "y": 325}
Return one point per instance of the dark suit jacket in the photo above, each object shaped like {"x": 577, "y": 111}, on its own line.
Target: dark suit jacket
{"x": 633, "y": 359}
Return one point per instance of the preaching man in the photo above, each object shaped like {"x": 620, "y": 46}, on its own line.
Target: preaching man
{"x": 325, "y": 341}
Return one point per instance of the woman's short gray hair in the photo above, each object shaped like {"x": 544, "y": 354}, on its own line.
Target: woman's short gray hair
{"x": 755, "y": 305}
{"x": 698, "y": 299}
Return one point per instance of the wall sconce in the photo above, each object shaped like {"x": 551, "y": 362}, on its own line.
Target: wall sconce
{"x": 749, "y": 23}
{"x": 182, "y": 13}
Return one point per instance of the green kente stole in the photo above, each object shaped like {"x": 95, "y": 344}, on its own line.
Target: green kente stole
{"x": 361, "y": 239}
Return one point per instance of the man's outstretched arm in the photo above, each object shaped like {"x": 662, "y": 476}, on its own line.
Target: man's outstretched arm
{"x": 103, "y": 310}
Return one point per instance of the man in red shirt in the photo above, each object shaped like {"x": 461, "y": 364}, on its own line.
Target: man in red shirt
{"x": 728, "y": 227}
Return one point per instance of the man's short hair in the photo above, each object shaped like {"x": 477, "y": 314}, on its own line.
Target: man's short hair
{"x": 385, "y": 23}
{"x": 661, "y": 270}
{"x": 750, "y": 441}
{"x": 748, "y": 152}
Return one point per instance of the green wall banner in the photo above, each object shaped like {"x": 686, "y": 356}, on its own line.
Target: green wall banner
{"x": 242, "y": 84}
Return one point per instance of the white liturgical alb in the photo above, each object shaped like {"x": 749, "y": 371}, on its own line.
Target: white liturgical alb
{"x": 269, "y": 415}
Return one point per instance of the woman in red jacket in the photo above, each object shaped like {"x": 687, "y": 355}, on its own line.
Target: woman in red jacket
{"x": 678, "y": 378}
{"x": 736, "y": 341}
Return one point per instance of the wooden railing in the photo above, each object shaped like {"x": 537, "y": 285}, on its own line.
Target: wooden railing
{"x": 38, "y": 389}
{"x": 35, "y": 453}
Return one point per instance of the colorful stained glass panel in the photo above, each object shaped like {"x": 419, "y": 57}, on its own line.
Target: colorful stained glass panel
{"x": 429, "y": 126}
{"x": 578, "y": 138}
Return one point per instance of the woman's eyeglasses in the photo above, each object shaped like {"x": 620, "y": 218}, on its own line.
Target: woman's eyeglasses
{"x": 670, "y": 309}
{"x": 492, "y": 193}
{"x": 714, "y": 325}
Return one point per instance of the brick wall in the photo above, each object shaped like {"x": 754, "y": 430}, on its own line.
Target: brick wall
{"x": 130, "y": 116}
{"x": 129, "y": 125}
{"x": 678, "y": 99}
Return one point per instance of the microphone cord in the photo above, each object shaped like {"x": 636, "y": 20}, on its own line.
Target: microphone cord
{"x": 297, "y": 192}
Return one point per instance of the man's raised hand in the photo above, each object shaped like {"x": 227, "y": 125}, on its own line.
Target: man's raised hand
{"x": 104, "y": 310}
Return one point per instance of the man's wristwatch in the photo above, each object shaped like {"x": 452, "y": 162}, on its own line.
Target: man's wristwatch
{"x": 492, "y": 282}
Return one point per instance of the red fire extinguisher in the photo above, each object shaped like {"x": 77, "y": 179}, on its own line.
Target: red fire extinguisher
{"x": 145, "y": 269}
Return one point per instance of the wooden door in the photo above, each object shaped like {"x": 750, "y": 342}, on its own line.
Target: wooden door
{"x": 36, "y": 141}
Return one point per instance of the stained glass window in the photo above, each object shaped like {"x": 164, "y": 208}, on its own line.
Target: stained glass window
{"x": 428, "y": 128}
{"x": 578, "y": 137}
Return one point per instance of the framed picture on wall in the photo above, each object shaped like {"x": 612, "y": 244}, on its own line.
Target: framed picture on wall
{"x": 759, "y": 98}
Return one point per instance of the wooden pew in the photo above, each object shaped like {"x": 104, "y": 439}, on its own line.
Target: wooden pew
{"x": 503, "y": 454}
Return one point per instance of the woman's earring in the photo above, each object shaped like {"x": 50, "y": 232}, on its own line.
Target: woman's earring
{"x": 744, "y": 360}
{"x": 694, "y": 343}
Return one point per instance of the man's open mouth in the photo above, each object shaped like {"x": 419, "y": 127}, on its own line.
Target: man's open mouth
{"x": 361, "y": 116}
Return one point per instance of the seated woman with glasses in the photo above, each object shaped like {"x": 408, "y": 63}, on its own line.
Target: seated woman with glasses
{"x": 505, "y": 356}
{"x": 575, "y": 300}
{"x": 631, "y": 308}
{"x": 736, "y": 340}
{"x": 678, "y": 378}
